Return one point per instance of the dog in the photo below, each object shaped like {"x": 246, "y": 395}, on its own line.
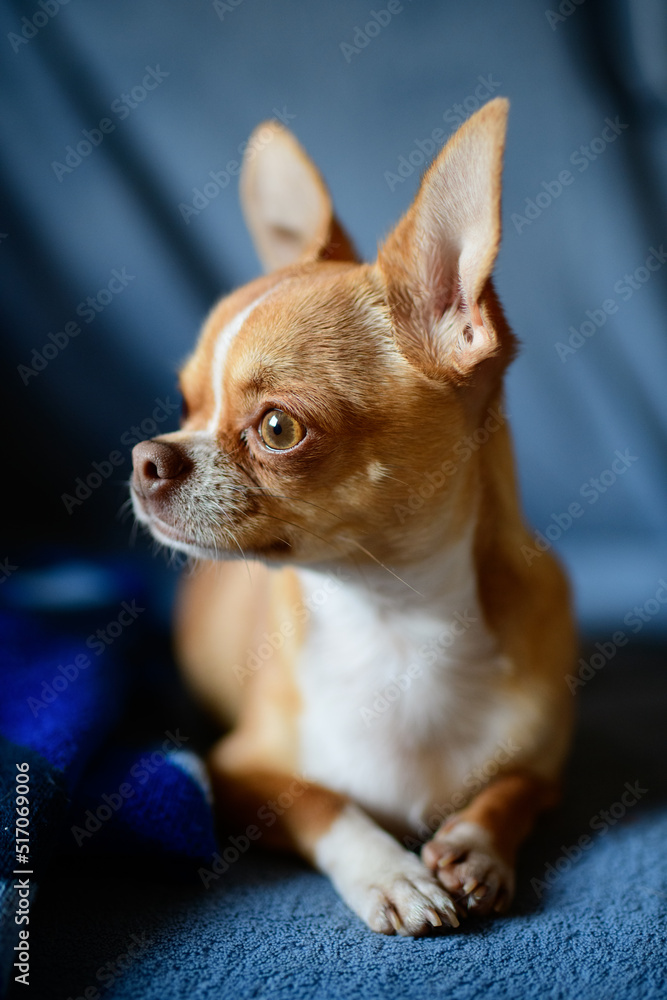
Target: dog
{"x": 390, "y": 663}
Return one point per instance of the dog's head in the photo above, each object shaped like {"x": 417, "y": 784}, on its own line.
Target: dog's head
{"x": 323, "y": 395}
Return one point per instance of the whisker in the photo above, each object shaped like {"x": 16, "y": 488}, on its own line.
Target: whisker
{"x": 302, "y": 528}
{"x": 124, "y": 510}
{"x": 407, "y": 485}
{"x": 354, "y": 542}
{"x": 243, "y": 556}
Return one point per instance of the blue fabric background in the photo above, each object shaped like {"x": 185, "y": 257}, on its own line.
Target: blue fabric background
{"x": 357, "y": 113}
{"x": 274, "y": 928}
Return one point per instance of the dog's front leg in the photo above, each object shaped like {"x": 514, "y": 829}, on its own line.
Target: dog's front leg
{"x": 474, "y": 852}
{"x": 387, "y": 886}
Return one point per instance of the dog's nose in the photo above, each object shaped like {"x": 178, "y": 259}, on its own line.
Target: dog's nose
{"x": 156, "y": 466}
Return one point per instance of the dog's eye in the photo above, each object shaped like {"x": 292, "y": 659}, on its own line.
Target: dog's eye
{"x": 279, "y": 431}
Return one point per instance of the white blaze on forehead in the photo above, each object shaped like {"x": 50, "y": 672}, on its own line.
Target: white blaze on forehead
{"x": 222, "y": 346}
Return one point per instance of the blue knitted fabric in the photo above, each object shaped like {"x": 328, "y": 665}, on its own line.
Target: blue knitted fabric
{"x": 87, "y": 794}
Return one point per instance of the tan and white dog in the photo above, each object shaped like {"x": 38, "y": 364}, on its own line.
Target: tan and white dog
{"x": 389, "y": 643}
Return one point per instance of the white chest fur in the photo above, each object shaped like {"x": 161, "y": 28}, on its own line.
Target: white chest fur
{"x": 400, "y": 693}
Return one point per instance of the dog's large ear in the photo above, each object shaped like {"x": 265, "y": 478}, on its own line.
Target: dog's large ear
{"x": 438, "y": 260}
{"x": 286, "y": 203}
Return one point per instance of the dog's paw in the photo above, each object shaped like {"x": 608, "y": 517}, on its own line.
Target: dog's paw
{"x": 385, "y": 885}
{"x": 468, "y": 865}
{"x": 406, "y": 900}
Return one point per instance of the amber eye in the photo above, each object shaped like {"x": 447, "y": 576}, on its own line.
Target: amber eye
{"x": 279, "y": 431}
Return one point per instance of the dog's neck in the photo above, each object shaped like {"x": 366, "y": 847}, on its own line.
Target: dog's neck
{"x": 433, "y": 586}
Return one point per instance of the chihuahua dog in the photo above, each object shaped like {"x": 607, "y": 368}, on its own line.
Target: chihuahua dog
{"x": 390, "y": 662}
